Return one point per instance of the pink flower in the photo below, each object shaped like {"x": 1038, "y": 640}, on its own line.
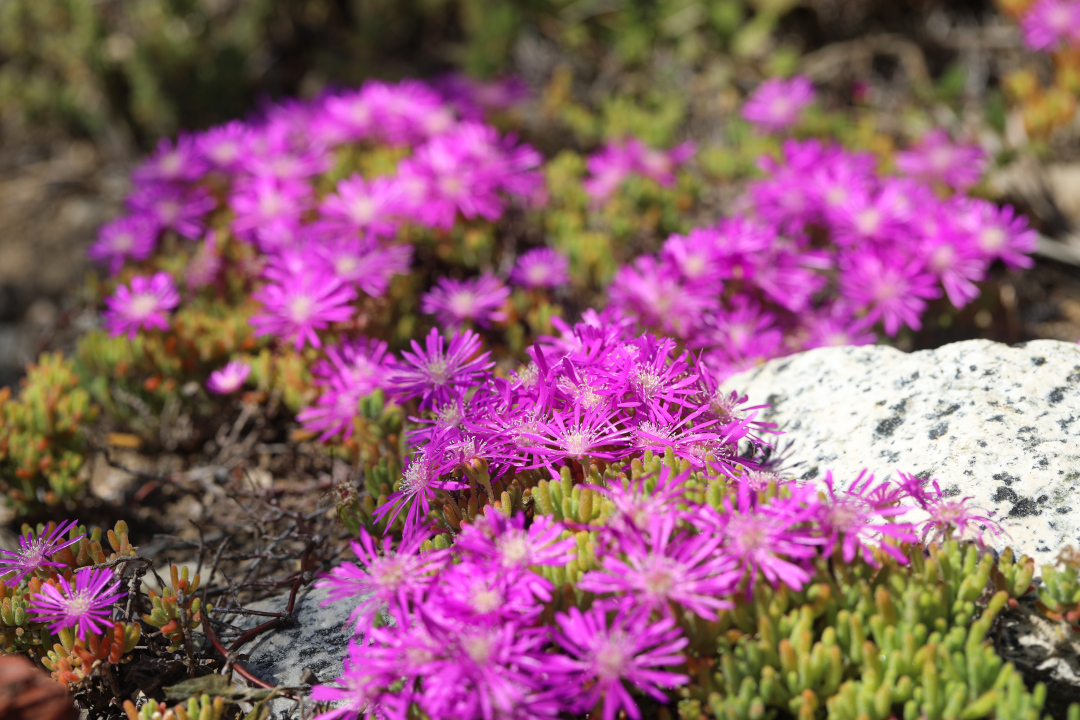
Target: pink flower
{"x": 295, "y": 309}
{"x": 350, "y": 372}
{"x": 776, "y": 104}
{"x": 618, "y": 160}
{"x": 947, "y": 515}
{"x": 224, "y": 146}
{"x": 126, "y": 238}
{"x": 172, "y": 163}
{"x": 422, "y": 476}
{"x": 542, "y": 267}
{"x": 171, "y": 208}
{"x": 455, "y": 302}
{"x": 664, "y": 570}
{"x": 266, "y": 208}
{"x": 384, "y": 578}
{"x": 894, "y": 289}
{"x": 370, "y": 207}
{"x": 999, "y": 232}
{"x": 84, "y": 604}
{"x": 437, "y": 373}
{"x": 35, "y": 552}
{"x": 142, "y": 306}
{"x": 229, "y": 379}
{"x": 855, "y": 519}
{"x": 1048, "y": 24}
{"x": 766, "y": 539}
{"x": 601, "y": 656}
{"x": 934, "y": 158}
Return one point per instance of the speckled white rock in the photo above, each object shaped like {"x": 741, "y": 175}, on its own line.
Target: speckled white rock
{"x": 318, "y": 642}
{"x": 998, "y": 423}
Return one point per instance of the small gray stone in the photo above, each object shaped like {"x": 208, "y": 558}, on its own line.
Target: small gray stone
{"x": 1000, "y": 424}
{"x": 1043, "y": 650}
{"x": 318, "y": 642}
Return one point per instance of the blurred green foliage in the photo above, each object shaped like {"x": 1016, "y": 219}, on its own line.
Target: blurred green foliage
{"x": 43, "y": 434}
{"x": 153, "y": 67}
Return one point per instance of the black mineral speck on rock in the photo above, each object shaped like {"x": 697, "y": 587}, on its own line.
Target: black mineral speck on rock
{"x": 973, "y": 368}
{"x": 1036, "y": 361}
{"x": 1005, "y": 478}
{"x": 1057, "y": 395}
{"x": 947, "y": 411}
{"x": 982, "y": 443}
{"x": 810, "y": 474}
{"x": 938, "y": 430}
{"x": 1005, "y": 494}
{"x": 1025, "y": 507}
{"x": 888, "y": 426}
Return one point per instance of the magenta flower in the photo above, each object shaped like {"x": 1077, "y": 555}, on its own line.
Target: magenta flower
{"x": 142, "y": 306}
{"x": 999, "y": 232}
{"x": 123, "y": 239}
{"x": 542, "y": 267}
{"x": 365, "y": 263}
{"x": 351, "y": 371}
{"x": 436, "y": 373}
{"x": 172, "y": 163}
{"x": 266, "y": 208}
{"x": 765, "y": 539}
{"x": 638, "y": 501}
{"x": 228, "y": 379}
{"x": 581, "y": 433}
{"x": 1048, "y": 24}
{"x": 856, "y": 519}
{"x": 35, "y": 552}
{"x": 776, "y": 104}
{"x": 454, "y": 302}
{"x": 84, "y": 604}
{"x": 296, "y": 310}
{"x": 947, "y": 516}
{"x": 658, "y": 297}
{"x": 173, "y": 208}
{"x": 422, "y": 476}
{"x": 666, "y": 568}
{"x": 481, "y": 671}
{"x": 510, "y": 550}
{"x": 934, "y": 158}
{"x": 224, "y": 146}
{"x": 894, "y": 289}
{"x": 384, "y": 579}
{"x": 601, "y": 657}
{"x": 359, "y": 690}
{"x": 370, "y": 207}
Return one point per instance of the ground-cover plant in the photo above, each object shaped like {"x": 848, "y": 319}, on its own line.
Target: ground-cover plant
{"x": 550, "y": 560}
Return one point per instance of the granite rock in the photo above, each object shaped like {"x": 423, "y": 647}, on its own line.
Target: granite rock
{"x": 316, "y": 642}
{"x": 1000, "y": 424}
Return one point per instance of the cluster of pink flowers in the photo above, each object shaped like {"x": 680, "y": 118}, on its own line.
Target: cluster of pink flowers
{"x": 593, "y": 393}
{"x": 825, "y": 251}
{"x": 323, "y": 244}
{"x": 1049, "y": 25}
{"x": 473, "y": 634}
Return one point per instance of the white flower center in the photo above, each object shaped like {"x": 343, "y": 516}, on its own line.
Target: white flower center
{"x": 143, "y": 306}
